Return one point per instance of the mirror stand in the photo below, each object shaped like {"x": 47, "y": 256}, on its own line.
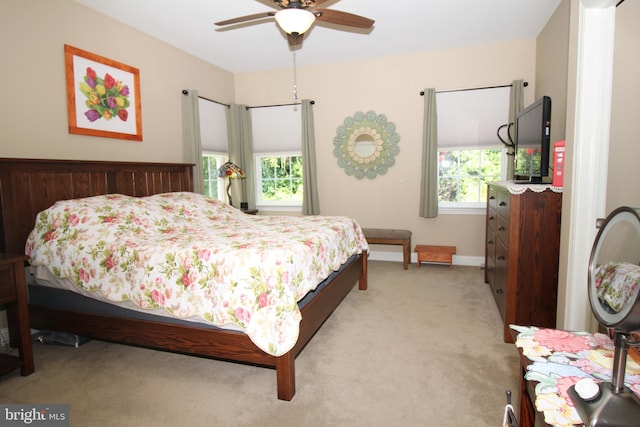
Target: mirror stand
{"x": 610, "y": 409}
{"x": 614, "y": 405}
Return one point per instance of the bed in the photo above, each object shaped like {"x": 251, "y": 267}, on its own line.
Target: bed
{"x": 29, "y": 186}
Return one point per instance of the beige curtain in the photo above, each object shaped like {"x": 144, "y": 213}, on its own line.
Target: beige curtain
{"x": 240, "y": 145}
{"x": 429, "y": 180}
{"x": 516, "y": 104}
{"x": 310, "y": 198}
{"x": 192, "y": 145}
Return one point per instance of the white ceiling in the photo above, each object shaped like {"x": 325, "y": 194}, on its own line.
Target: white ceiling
{"x": 402, "y": 26}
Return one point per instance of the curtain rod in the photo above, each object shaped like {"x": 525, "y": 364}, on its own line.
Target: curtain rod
{"x": 525, "y": 84}
{"x": 186, "y": 92}
{"x": 278, "y": 105}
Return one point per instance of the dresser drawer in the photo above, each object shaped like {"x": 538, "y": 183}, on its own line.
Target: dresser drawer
{"x": 7, "y": 284}
{"x": 502, "y": 203}
{"x": 492, "y": 218}
{"x": 500, "y": 277}
{"x": 491, "y": 244}
{"x": 502, "y": 230}
{"x": 490, "y": 258}
{"x": 492, "y": 198}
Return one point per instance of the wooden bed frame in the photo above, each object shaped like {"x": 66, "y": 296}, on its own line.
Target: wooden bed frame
{"x": 28, "y": 186}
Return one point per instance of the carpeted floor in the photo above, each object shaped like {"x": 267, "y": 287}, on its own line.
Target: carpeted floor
{"x": 421, "y": 347}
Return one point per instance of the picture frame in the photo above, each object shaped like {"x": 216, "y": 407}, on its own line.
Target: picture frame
{"x": 103, "y": 96}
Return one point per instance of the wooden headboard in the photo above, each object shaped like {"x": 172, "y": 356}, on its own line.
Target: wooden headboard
{"x": 28, "y": 186}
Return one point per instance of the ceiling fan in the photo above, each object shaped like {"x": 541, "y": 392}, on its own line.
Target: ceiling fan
{"x": 295, "y": 17}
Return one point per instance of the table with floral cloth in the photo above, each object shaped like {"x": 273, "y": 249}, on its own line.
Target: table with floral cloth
{"x": 558, "y": 359}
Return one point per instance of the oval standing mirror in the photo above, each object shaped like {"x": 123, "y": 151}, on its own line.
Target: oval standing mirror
{"x": 614, "y": 271}
{"x": 614, "y": 277}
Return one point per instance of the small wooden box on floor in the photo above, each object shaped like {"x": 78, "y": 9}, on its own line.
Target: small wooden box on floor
{"x": 431, "y": 253}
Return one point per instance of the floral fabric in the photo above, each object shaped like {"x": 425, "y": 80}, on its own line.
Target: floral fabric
{"x": 196, "y": 258}
{"x": 616, "y": 284}
{"x": 561, "y": 358}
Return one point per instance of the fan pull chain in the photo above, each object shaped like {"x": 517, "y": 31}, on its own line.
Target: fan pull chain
{"x": 295, "y": 78}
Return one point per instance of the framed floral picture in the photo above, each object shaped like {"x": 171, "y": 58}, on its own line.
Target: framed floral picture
{"x": 103, "y": 96}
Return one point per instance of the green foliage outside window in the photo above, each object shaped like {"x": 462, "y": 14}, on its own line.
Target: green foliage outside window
{"x": 281, "y": 178}
{"x": 463, "y": 174}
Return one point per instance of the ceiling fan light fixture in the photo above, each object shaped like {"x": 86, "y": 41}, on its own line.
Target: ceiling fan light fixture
{"x": 295, "y": 20}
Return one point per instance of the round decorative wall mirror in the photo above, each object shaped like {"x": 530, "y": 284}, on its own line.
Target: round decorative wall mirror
{"x": 366, "y": 145}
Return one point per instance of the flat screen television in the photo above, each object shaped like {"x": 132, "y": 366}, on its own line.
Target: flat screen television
{"x": 533, "y": 141}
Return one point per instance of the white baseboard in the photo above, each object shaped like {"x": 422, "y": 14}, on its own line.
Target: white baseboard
{"x": 472, "y": 261}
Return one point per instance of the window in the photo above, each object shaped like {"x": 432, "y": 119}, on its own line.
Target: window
{"x": 280, "y": 179}
{"x": 213, "y": 186}
{"x": 469, "y": 151}
{"x": 463, "y": 175}
{"x": 213, "y": 136}
{"x": 277, "y": 146}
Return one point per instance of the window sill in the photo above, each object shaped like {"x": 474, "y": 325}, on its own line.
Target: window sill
{"x": 462, "y": 210}
{"x": 279, "y": 208}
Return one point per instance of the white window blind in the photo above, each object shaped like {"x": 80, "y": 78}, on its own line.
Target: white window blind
{"x": 277, "y": 129}
{"x": 213, "y": 126}
{"x": 471, "y": 118}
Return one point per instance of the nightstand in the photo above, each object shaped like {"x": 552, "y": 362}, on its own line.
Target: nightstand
{"x": 13, "y": 296}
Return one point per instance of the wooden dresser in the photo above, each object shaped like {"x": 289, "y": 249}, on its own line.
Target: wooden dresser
{"x": 521, "y": 253}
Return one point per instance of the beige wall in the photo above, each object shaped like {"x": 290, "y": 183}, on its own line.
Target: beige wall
{"x": 391, "y": 86}
{"x": 552, "y": 50}
{"x": 624, "y": 148}
{"x": 553, "y": 78}
{"x": 33, "y": 114}
{"x": 552, "y": 73}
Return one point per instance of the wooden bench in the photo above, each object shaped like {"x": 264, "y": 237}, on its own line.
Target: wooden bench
{"x": 431, "y": 253}
{"x": 386, "y": 236}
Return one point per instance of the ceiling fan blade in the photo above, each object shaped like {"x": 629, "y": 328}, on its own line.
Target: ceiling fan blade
{"x": 295, "y": 40}
{"x": 246, "y": 18}
{"x": 342, "y": 18}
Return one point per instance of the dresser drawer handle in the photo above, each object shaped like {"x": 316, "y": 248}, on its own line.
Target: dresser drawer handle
{"x": 492, "y": 197}
{"x": 503, "y": 203}
{"x": 489, "y": 242}
{"x": 501, "y": 258}
{"x": 501, "y": 228}
{"x": 499, "y": 291}
{"x": 492, "y": 217}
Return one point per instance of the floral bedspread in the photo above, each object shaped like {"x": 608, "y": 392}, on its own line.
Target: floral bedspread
{"x": 561, "y": 358}
{"x": 196, "y": 258}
